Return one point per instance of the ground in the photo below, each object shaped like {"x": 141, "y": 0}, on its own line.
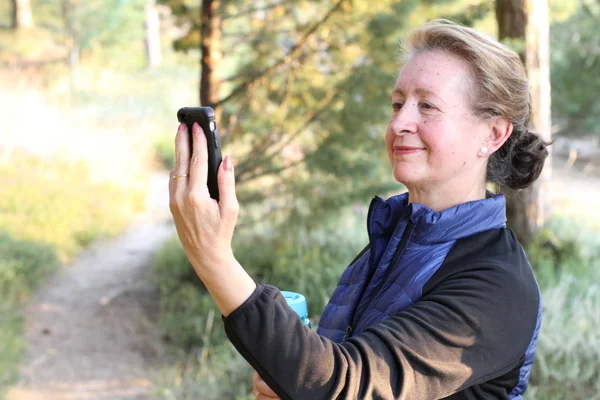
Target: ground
{"x": 91, "y": 328}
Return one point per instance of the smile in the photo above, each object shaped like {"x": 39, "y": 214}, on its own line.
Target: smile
{"x": 404, "y": 150}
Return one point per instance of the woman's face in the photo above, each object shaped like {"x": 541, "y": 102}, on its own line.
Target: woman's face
{"x": 433, "y": 138}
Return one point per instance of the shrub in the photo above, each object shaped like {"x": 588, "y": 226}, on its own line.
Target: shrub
{"x": 59, "y": 205}
{"x": 567, "y": 361}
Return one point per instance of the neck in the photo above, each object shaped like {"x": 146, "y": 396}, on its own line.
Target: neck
{"x": 442, "y": 198}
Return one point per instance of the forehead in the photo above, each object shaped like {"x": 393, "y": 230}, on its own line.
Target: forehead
{"x": 443, "y": 74}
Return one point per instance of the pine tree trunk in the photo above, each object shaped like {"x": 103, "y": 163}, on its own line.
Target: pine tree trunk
{"x": 210, "y": 47}
{"x": 152, "y": 28}
{"x": 528, "y": 209}
{"x": 22, "y": 17}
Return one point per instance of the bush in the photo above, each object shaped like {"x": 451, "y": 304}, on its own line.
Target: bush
{"x": 567, "y": 361}
{"x": 565, "y": 259}
{"x": 23, "y": 265}
{"x": 59, "y": 205}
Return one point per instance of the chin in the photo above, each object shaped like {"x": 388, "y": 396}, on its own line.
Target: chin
{"x": 405, "y": 176}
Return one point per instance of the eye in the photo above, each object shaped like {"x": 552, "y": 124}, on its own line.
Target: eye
{"x": 396, "y": 106}
{"x": 427, "y": 106}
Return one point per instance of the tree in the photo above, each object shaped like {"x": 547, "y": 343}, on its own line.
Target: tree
{"x": 210, "y": 50}
{"x": 575, "y": 63}
{"x": 303, "y": 87}
{"x": 152, "y": 35}
{"x": 526, "y": 21}
{"x": 22, "y": 17}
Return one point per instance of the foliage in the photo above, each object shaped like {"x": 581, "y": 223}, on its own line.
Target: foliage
{"x": 23, "y": 265}
{"x": 568, "y": 352}
{"x": 12, "y": 344}
{"x": 105, "y": 23}
{"x": 58, "y": 205}
{"x": 575, "y": 61}
{"x": 316, "y": 79}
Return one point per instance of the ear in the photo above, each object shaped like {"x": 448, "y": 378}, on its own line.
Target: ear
{"x": 500, "y": 130}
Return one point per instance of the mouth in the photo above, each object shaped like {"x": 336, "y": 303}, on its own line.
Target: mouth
{"x": 404, "y": 150}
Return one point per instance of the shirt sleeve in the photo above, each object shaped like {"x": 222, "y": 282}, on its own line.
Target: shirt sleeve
{"x": 469, "y": 328}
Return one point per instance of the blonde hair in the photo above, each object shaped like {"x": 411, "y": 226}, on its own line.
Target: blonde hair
{"x": 501, "y": 88}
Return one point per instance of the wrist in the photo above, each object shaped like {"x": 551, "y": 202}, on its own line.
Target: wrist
{"x": 227, "y": 282}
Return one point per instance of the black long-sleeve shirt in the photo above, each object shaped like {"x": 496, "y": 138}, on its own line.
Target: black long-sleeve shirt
{"x": 465, "y": 339}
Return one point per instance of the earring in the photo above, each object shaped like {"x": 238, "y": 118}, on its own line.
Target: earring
{"x": 484, "y": 150}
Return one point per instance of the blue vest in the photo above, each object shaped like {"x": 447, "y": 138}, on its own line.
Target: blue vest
{"x": 407, "y": 245}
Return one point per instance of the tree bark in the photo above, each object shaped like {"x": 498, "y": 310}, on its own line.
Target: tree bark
{"x": 538, "y": 69}
{"x": 528, "y": 209}
{"x": 210, "y": 50}
{"x": 22, "y": 17}
{"x": 152, "y": 35}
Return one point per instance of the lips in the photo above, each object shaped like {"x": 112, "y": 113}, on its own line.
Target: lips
{"x": 403, "y": 150}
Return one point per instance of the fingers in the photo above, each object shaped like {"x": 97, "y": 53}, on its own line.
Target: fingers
{"x": 228, "y": 202}
{"x": 199, "y": 162}
{"x": 261, "y": 390}
{"x": 182, "y": 161}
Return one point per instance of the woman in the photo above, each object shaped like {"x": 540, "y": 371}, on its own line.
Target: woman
{"x": 443, "y": 302}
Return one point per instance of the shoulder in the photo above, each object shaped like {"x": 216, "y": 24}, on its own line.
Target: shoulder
{"x": 487, "y": 282}
{"x": 496, "y": 252}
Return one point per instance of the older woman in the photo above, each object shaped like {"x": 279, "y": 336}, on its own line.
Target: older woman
{"x": 443, "y": 302}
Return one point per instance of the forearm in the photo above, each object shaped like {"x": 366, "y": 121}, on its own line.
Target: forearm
{"x": 228, "y": 283}
{"x": 437, "y": 347}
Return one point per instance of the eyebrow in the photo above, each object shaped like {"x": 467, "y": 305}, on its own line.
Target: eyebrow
{"x": 421, "y": 92}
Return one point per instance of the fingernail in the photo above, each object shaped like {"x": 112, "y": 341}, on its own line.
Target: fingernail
{"x": 227, "y": 163}
{"x": 181, "y": 127}
{"x": 196, "y": 128}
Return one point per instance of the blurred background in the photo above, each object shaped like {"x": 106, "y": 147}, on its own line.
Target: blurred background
{"x": 97, "y": 299}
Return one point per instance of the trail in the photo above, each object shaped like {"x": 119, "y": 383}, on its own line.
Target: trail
{"x": 91, "y": 327}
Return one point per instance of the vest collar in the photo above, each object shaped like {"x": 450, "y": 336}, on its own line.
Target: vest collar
{"x": 430, "y": 227}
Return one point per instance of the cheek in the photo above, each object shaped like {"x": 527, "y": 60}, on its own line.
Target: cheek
{"x": 389, "y": 140}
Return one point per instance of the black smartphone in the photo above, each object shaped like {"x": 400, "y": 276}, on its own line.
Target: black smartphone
{"x": 205, "y": 117}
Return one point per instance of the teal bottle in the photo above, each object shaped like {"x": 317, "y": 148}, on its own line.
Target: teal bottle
{"x": 298, "y": 303}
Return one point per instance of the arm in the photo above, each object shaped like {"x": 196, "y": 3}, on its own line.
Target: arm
{"x": 456, "y": 336}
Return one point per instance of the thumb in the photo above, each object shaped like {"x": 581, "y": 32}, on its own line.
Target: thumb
{"x": 228, "y": 202}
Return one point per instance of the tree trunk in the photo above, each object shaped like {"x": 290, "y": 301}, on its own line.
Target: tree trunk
{"x": 152, "y": 28}
{"x": 528, "y": 209}
{"x": 210, "y": 47}
{"x": 72, "y": 42}
{"x": 22, "y": 17}
{"x": 538, "y": 69}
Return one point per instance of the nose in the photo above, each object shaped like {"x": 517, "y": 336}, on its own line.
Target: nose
{"x": 405, "y": 120}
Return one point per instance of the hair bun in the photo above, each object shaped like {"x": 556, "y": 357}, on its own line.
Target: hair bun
{"x": 527, "y": 157}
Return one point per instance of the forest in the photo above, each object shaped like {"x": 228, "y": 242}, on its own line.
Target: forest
{"x": 89, "y": 92}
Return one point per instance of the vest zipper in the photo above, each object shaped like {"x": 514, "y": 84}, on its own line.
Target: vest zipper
{"x": 362, "y": 292}
{"x": 365, "y": 304}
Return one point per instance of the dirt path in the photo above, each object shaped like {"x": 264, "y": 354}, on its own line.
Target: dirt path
{"x": 90, "y": 332}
